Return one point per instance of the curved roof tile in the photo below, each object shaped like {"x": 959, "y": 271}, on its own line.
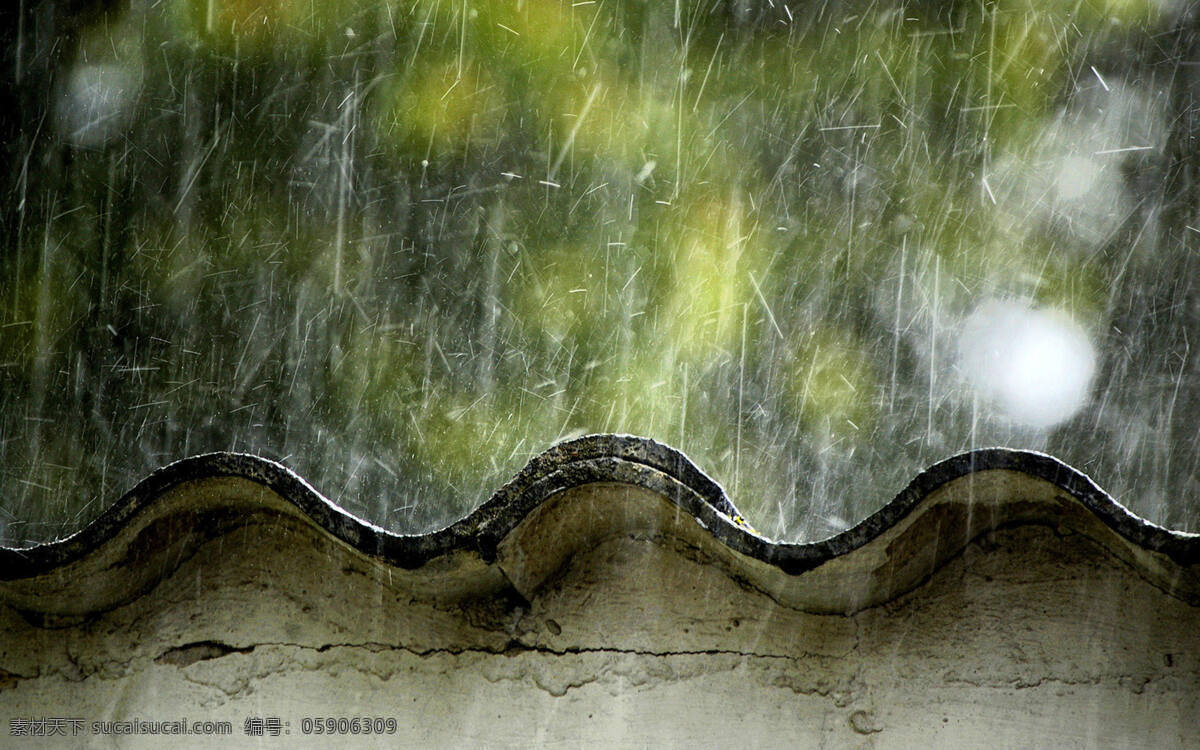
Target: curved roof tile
{"x": 531, "y": 525}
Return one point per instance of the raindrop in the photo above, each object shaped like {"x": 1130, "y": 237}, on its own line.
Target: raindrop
{"x": 1034, "y": 366}
{"x": 95, "y": 104}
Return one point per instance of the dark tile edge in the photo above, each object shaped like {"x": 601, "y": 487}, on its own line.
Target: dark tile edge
{"x": 595, "y": 458}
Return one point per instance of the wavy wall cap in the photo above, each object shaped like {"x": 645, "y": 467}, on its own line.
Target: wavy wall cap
{"x": 930, "y": 521}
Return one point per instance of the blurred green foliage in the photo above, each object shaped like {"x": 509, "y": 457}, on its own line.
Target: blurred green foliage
{"x": 405, "y": 246}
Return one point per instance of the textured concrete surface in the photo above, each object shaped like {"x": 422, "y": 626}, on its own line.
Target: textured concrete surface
{"x": 609, "y": 599}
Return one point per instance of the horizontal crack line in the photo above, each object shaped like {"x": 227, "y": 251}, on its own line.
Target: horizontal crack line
{"x": 190, "y": 653}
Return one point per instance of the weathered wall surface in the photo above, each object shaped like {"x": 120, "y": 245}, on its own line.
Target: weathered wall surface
{"x": 993, "y": 608}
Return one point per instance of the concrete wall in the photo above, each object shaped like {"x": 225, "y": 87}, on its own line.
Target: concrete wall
{"x": 996, "y": 606}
